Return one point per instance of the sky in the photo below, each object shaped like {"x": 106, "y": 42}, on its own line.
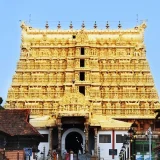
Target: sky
{"x": 37, "y": 12}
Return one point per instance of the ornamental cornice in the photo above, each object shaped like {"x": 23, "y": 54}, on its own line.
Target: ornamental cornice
{"x": 32, "y": 34}
{"x": 138, "y": 29}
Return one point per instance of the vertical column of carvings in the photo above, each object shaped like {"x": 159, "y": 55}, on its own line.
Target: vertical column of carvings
{"x": 55, "y": 71}
{"x": 122, "y": 69}
{"x": 143, "y": 88}
{"x": 40, "y": 79}
{"x": 103, "y": 105}
{"x": 77, "y": 51}
{"x": 25, "y": 63}
{"x": 76, "y": 64}
{"x": 138, "y": 77}
{"x": 75, "y": 73}
{"x": 94, "y": 75}
{"x": 19, "y": 89}
{"x": 86, "y": 125}
{"x": 63, "y": 63}
{"x": 70, "y": 64}
{"x": 13, "y": 93}
{"x": 117, "y": 66}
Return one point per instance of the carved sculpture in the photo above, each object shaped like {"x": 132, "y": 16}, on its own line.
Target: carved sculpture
{"x": 115, "y": 68}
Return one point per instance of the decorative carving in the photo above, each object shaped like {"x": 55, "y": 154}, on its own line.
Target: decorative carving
{"x": 82, "y": 37}
{"x": 117, "y": 75}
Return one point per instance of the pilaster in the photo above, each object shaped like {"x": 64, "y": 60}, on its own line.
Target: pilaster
{"x": 95, "y": 141}
{"x": 86, "y": 125}
{"x": 50, "y": 139}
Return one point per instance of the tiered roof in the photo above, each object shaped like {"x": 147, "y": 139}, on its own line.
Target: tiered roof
{"x": 15, "y": 122}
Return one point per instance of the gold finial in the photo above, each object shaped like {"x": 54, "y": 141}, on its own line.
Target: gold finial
{"x": 47, "y": 26}
{"x": 119, "y": 25}
{"x": 59, "y": 25}
{"x": 95, "y": 25}
{"x": 107, "y": 25}
{"x": 71, "y": 26}
{"x": 83, "y": 25}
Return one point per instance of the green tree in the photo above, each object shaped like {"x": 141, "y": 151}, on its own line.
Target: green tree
{"x": 1, "y": 100}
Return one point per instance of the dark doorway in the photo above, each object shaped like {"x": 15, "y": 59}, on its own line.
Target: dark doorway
{"x": 82, "y": 90}
{"x": 82, "y": 51}
{"x": 82, "y": 76}
{"x": 81, "y": 62}
{"x": 73, "y": 142}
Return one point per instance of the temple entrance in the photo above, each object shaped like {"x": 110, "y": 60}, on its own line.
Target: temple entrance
{"x": 73, "y": 139}
{"x": 74, "y": 142}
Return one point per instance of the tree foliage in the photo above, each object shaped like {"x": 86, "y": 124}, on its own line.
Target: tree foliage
{"x": 1, "y": 100}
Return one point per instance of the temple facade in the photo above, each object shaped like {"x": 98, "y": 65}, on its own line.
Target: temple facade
{"x": 85, "y": 87}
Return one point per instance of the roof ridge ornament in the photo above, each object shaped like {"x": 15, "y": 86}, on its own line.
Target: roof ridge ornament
{"x": 95, "y": 25}
{"x": 143, "y": 25}
{"x": 59, "y": 25}
{"x": 107, "y": 25}
{"x": 119, "y": 25}
{"x": 47, "y": 26}
{"x": 71, "y": 26}
{"x": 23, "y": 25}
{"x": 83, "y": 25}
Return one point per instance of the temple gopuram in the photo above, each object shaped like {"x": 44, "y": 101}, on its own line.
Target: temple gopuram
{"x": 85, "y": 88}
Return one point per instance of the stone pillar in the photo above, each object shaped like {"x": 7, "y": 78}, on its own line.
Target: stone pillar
{"x": 59, "y": 138}
{"x": 50, "y": 139}
{"x": 95, "y": 141}
{"x": 59, "y": 125}
{"x": 86, "y": 125}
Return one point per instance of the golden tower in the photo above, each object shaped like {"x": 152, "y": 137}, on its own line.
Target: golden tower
{"x": 96, "y": 74}
{"x": 108, "y": 66}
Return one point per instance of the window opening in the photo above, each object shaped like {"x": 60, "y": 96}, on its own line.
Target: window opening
{"x": 82, "y": 76}
{"x": 82, "y": 51}
{"x": 106, "y": 138}
{"x": 82, "y": 90}
{"x": 81, "y": 62}
{"x": 74, "y": 36}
